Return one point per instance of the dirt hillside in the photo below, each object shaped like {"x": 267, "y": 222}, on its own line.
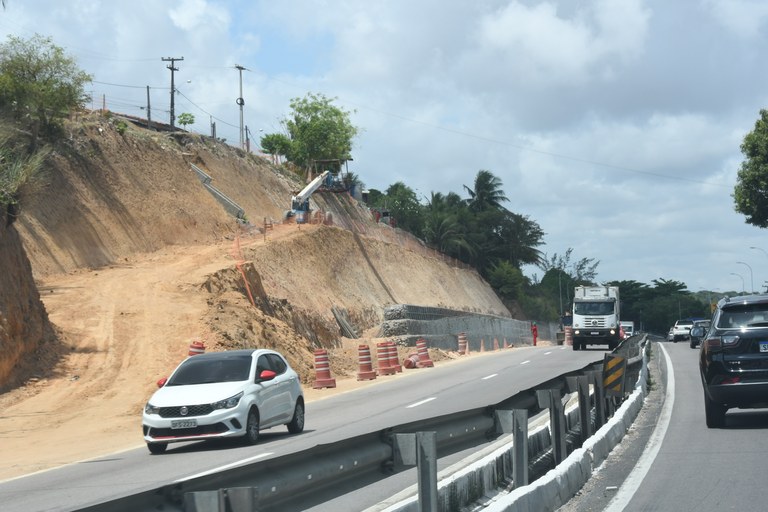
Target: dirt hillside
{"x": 134, "y": 259}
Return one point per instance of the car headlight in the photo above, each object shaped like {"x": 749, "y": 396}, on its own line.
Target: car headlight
{"x": 228, "y": 403}
{"x": 151, "y": 409}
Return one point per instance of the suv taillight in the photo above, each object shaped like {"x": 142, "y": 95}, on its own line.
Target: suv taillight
{"x": 719, "y": 342}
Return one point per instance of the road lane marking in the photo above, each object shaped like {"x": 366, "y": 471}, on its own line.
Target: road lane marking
{"x": 226, "y": 466}
{"x": 547, "y": 353}
{"x": 420, "y": 403}
{"x": 628, "y": 489}
{"x": 525, "y": 362}
{"x": 489, "y": 376}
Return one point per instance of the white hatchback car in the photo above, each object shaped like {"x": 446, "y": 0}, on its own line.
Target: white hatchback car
{"x": 234, "y": 393}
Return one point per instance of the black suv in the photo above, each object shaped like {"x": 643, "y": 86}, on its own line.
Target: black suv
{"x": 733, "y": 359}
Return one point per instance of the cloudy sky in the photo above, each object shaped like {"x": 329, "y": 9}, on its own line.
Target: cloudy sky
{"x": 614, "y": 124}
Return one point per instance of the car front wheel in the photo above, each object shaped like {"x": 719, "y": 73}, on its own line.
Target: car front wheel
{"x": 297, "y": 422}
{"x": 157, "y": 448}
{"x": 252, "y": 427}
{"x": 714, "y": 412}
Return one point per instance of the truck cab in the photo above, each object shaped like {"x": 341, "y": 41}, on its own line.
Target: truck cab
{"x": 596, "y": 317}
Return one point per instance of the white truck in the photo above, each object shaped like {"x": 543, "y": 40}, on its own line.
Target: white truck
{"x": 596, "y": 316}
{"x": 629, "y": 327}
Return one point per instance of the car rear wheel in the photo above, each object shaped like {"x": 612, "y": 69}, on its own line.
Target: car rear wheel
{"x": 297, "y": 422}
{"x": 157, "y": 448}
{"x": 252, "y": 427}
{"x": 714, "y": 412}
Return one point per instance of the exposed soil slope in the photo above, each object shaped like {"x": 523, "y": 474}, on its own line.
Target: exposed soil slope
{"x": 134, "y": 259}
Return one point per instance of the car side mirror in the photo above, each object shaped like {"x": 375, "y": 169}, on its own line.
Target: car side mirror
{"x": 267, "y": 375}
{"x": 697, "y": 331}
{"x": 161, "y": 382}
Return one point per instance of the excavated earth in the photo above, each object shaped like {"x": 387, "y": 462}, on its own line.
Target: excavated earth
{"x": 120, "y": 258}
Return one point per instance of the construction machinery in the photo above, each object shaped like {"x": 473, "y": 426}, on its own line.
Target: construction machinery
{"x": 300, "y": 202}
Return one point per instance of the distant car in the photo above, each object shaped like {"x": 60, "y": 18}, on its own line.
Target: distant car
{"x": 224, "y": 394}
{"x": 682, "y": 329}
{"x": 733, "y": 361}
{"x": 698, "y": 331}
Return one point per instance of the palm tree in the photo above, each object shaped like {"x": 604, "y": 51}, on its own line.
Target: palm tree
{"x": 487, "y": 194}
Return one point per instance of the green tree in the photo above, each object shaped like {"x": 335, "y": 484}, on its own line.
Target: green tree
{"x": 39, "y": 83}
{"x": 404, "y": 206}
{"x": 507, "y": 280}
{"x": 186, "y": 118}
{"x": 276, "y": 144}
{"x": 750, "y": 193}
{"x": 318, "y": 130}
{"x": 487, "y": 193}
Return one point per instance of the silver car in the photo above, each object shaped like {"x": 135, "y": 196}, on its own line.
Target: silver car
{"x": 224, "y": 394}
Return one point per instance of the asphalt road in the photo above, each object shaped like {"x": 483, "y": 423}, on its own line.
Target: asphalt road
{"x": 426, "y": 393}
{"x": 671, "y": 461}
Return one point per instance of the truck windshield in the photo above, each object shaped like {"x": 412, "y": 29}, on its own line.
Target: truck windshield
{"x": 593, "y": 308}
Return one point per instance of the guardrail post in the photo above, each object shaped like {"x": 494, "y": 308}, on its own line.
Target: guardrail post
{"x": 420, "y": 450}
{"x": 200, "y": 501}
{"x": 550, "y": 398}
{"x": 516, "y": 423}
{"x": 580, "y": 385}
{"x": 597, "y": 382}
{"x": 235, "y": 499}
{"x": 520, "y": 447}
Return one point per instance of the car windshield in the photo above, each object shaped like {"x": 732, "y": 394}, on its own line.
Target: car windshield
{"x": 749, "y": 315}
{"x": 206, "y": 371}
{"x": 593, "y": 308}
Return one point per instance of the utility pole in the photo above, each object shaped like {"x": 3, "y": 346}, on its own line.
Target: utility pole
{"x": 149, "y": 112}
{"x": 241, "y": 102}
{"x": 171, "y": 66}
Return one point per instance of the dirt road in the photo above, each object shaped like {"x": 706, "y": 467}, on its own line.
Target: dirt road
{"x": 127, "y": 325}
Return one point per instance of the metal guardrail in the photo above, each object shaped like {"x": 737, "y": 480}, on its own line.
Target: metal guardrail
{"x": 272, "y": 484}
{"x": 229, "y": 205}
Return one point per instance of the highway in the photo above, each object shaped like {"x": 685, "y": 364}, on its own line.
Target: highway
{"x": 701, "y": 469}
{"x": 423, "y": 393}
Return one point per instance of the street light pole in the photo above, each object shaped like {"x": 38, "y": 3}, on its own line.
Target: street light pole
{"x": 751, "y": 277}
{"x": 742, "y": 280}
{"x": 759, "y": 249}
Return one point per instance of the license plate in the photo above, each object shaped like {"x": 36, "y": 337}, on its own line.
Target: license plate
{"x": 594, "y": 334}
{"x": 183, "y": 423}
{"x": 764, "y": 346}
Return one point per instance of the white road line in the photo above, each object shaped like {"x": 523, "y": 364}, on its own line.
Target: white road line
{"x": 226, "y": 466}
{"x": 526, "y": 362}
{"x": 547, "y": 353}
{"x": 635, "y": 478}
{"x": 420, "y": 403}
{"x": 490, "y": 376}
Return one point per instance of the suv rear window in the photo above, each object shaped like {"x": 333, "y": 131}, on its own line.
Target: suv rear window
{"x": 748, "y": 315}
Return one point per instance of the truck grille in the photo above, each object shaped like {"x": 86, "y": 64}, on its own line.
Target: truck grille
{"x": 597, "y": 321}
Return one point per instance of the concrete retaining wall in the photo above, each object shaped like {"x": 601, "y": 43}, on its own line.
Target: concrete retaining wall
{"x": 440, "y": 327}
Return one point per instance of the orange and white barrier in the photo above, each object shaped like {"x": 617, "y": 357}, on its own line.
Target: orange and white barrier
{"x": 424, "y": 360}
{"x": 384, "y": 366}
{"x": 196, "y": 347}
{"x": 365, "y": 365}
{"x": 323, "y": 377}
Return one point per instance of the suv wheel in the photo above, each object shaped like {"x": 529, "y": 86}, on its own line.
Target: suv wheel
{"x": 714, "y": 412}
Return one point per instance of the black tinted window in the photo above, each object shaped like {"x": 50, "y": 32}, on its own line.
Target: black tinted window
{"x": 278, "y": 365}
{"x": 748, "y": 315}
{"x": 204, "y": 371}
